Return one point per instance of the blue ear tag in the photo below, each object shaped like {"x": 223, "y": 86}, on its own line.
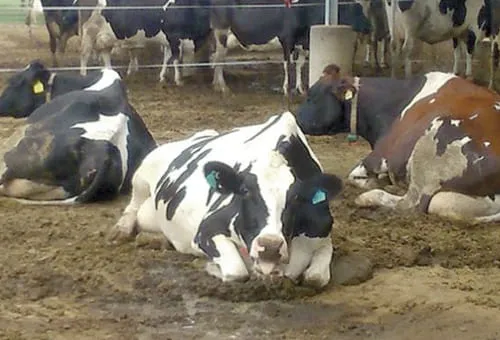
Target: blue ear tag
{"x": 319, "y": 196}
{"x": 211, "y": 179}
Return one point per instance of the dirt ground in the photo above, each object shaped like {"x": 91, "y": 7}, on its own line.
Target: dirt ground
{"x": 433, "y": 279}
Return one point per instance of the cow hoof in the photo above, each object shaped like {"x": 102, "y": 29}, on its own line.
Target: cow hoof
{"x": 179, "y": 83}
{"x": 118, "y": 236}
{"x": 366, "y": 64}
{"x": 221, "y": 88}
{"x": 316, "y": 279}
{"x": 214, "y": 270}
{"x": 384, "y": 66}
{"x": 369, "y": 198}
{"x": 315, "y": 282}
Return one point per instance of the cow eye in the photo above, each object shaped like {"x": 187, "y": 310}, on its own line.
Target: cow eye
{"x": 244, "y": 190}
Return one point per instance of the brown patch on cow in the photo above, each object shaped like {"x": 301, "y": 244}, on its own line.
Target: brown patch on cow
{"x": 459, "y": 100}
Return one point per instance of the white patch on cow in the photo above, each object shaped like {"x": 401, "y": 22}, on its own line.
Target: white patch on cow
{"x": 432, "y": 100}
{"x": 486, "y": 143}
{"x": 455, "y": 122}
{"x": 113, "y": 129}
{"x": 497, "y": 106}
{"x": 474, "y": 116}
{"x": 168, "y": 3}
{"x": 478, "y": 159}
{"x": 383, "y": 165}
{"x": 275, "y": 179}
{"x": 233, "y": 43}
{"x": 358, "y": 176}
{"x": 434, "y": 81}
{"x": 107, "y": 79}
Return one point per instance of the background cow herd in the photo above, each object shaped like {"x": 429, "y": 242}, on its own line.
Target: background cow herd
{"x": 271, "y": 199}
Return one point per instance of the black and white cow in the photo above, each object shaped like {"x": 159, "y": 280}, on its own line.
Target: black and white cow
{"x": 176, "y": 19}
{"x": 259, "y": 187}
{"x": 81, "y": 146}
{"x": 467, "y": 22}
{"x": 375, "y": 11}
{"x": 290, "y": 25}
{"x": 35, "y": 85}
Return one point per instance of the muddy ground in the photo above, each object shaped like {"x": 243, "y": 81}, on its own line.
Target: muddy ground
{"x": 433, "y": 279}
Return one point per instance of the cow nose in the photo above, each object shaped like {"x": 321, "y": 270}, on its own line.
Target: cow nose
{"x": 271, "y": 249}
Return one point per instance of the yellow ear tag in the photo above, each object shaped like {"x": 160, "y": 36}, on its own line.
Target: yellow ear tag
{"x": 37, "y": 87}
{"x": 348, "y": 95}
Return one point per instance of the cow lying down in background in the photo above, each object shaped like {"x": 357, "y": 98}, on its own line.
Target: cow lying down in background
{"x": 433, "y": 135}
{"x": 258, "y": 188}
{"x": 35, "y": 85}
{"x": 81, "y": 146}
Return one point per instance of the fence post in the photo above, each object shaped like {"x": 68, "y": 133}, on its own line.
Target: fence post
{"x": 330, "y": 43}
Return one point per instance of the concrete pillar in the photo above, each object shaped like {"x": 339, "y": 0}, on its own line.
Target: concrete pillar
{"x": 330, "y": 44}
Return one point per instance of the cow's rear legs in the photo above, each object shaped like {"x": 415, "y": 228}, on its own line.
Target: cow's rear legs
{"x": 463, "y": 207}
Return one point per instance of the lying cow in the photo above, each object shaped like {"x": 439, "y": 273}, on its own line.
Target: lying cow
{"x": 82, "y": 146}
{"x": 432, "y": 134}
{"x": 253, "y": 187}
{"x": 35, "y": 85}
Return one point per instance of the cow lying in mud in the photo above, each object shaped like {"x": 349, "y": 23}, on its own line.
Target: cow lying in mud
{"x": 259, "y": 188}
{"x": 35, "y": 85}
{"x": 433, "y": 135}
{"x": 82, "y": 146}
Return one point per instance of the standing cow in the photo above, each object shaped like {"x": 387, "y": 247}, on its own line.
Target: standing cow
{"x": 256, "y": 187}
{"x": 62, "y": 24}
{"x": 290, "y": 25}
{"x": 467, "y": 22}
{"x": 173, "y": 20}
{"x": 81, "y": 146}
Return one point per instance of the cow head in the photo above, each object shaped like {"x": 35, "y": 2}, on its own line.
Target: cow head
{"x": 260, "y": 199}
{"x": 25, "y": 91}
{"x": 327, "y": 106}
{"x": 307, "y": 212}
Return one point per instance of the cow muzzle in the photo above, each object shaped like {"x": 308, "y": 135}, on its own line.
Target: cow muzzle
{"x": 269, "y": 253}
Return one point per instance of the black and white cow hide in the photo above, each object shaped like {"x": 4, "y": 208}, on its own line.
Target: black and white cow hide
{"x": 82, "y": 146}
{"x": 258, "y": 188}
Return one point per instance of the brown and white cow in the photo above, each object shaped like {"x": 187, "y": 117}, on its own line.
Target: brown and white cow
{"x": 434, "y": 135}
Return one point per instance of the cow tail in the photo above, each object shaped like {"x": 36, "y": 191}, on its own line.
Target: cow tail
{"x": 89, "y": 194}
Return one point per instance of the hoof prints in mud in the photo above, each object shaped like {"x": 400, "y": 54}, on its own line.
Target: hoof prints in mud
{"x": 170, "y": 279}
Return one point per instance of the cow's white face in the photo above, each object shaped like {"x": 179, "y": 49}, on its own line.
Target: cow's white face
{"x": 261, "y": 191}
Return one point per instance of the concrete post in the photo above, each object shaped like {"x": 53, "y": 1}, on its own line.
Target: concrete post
{"x": 330, "y": 44}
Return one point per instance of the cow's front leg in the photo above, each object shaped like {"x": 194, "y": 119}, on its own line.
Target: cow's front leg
{"x": 128, "y": 225}
{"x": 310, "y": 258}
{"x": 227, "y": 262}
{"x": 318, "y": 272}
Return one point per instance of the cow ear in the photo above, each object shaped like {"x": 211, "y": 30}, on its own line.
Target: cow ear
{"x": 344, "y": 90}
{"x": 326, "y": 187}
{"x": 38, "y": 75}
{"x": 223, "y": 179}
